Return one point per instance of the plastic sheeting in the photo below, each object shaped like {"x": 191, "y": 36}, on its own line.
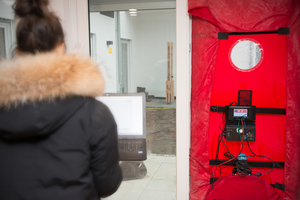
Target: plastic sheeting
{"x": 245, "y": 188}
{"x": 211, "y": 17}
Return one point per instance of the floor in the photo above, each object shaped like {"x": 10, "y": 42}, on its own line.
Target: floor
{"x": 159, "y": 103}
{"x": 158, "y": 183}
{"x": 161, "y": 130}
{"x": 160, "y": 179}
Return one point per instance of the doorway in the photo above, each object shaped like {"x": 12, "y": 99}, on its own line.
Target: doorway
{"x": 123, "y": 70}
{"x": 6, "y": 38}
{"x": 138, "y": 59}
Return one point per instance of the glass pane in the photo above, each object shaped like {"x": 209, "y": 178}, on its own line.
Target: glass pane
{"x": 124, "y": 67}
{"x": 246, "y": 54}
{"x": 2, "y": 44}
{"x": 137, "y": 49}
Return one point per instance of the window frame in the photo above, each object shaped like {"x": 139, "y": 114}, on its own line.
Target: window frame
{"x": 8, "y": 26}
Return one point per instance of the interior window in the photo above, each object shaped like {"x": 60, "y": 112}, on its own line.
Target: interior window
{"x": 135, "y": 44}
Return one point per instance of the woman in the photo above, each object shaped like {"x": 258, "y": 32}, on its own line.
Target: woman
{"x": 56, "y": 141}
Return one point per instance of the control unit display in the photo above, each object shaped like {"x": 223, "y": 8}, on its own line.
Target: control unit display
{"x": 237, "y": 112}
{"x": 240, "y": 112}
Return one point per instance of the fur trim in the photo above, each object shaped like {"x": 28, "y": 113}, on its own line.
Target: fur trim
{"x": 48, "y": 76}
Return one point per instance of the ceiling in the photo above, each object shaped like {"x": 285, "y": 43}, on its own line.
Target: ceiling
{"x": 99, "y": 2}
{"x": 121, "y": 5}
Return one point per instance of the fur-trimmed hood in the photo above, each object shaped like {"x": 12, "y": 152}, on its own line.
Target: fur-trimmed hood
{"x": 47, "y": 76}
{"x": 39, "y": 93}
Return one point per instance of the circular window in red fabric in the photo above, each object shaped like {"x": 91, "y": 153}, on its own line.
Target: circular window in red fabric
{"x": 246, "y": 55}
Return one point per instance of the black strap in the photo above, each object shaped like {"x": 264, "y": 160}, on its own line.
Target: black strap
{"x": 217, "y": 109}
{"x": 212, "y": 180}
{"x": 278, "y": 186}
{"x": 281, "y": 31}
{"x": 256, "y": 164}
{"x": 274, "y": 111}
{"x": 269, "y": 111}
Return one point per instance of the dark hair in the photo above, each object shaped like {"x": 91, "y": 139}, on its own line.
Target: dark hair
{"x": 38, "y": 29}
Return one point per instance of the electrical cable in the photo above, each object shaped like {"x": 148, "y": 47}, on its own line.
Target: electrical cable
{"x": 228, "y": 153}
{"x": 258, "y": 155}
{"x": 217, "y": 154}
{"x": 235, "y": 156}
{"x": 242, "y": 167}
{"x": 220, "y": 137}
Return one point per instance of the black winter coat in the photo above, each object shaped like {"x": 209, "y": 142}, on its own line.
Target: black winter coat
{"x": 56, "y": 141}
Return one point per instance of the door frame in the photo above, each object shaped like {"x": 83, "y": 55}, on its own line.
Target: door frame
{"x": 183, "y": 98}
{"x": 128, "y": 42}
{"x": 80, "y": 22}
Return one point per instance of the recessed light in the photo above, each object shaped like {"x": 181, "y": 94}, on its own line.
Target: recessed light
{"x": 133, "y": 14}
{"x": 132, "y": 10}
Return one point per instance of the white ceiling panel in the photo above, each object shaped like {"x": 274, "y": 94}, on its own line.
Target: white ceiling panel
{"x": 121, "y": 5}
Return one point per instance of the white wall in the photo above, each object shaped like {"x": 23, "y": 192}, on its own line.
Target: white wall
{"x": 6, "y": 11}
{"x": 8, "y": 23}
{"x": 128, "y": 29}
{"x": 150, "y": 31}
{"x": 104, "y": 29}
{"x": 74, "y": 19}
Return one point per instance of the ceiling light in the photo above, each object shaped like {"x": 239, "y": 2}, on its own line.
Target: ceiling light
{"x": 133, "y": 12}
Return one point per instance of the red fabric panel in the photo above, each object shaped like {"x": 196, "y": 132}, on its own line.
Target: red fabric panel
{"x": 292, "y": 158}
{"x": 246, "y": 188}
{"x": 267, "y": 81}
{"x": 268, "y": 85}
{"x": 210, "y": 17}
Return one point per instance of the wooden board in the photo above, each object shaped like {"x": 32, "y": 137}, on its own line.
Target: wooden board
{"x": 169, "y": 82}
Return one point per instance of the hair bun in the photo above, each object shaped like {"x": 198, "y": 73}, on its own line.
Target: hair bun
{"x": 31, "y": 7}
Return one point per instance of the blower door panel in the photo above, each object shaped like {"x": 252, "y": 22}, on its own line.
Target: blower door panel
{"x": 257, "y": 63}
